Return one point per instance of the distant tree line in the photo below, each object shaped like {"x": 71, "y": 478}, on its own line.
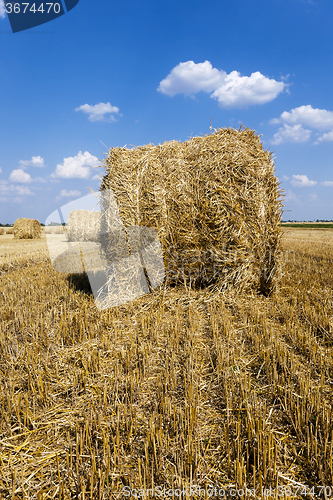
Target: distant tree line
{"x": 318, "y": 220}
{"x": 43, "y": 225}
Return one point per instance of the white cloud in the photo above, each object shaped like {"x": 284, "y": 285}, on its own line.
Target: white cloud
{"x": 318, "y": 119}
{"x": 36, "y": 161}
{"x": 76, "y": 166}
{"x": 302, "y": 181}
{"x": 96, "y": 178}
{"x": 6, "y": 188}
{"x": 325, "y": 137}
{"x": 285, "y": 78}
{"x": 23, "y": 190}
{"x": 68, "y": 194}
{"x": 2, "y": 9}
{"x": 290, "y": 197}
{"x": 99, "y": 112}
{"x": 288, "y": 133}
{"x": 0, "y": 167}
{"x": 327, "y": 183}
{"x": 19, "y": 175}
{"x": 285, "y": 178}
{"x": 307, "y": 116}
{"x": 230, "y": 90}
{"x": 240, "y": 91}
{"x": 189, "y": 78}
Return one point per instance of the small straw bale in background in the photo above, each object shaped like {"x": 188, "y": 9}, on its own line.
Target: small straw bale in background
{"x": 214, "y": 201}
{"x": 9, "y": 230}
{"x": 83, "y": 225}
{"x": 2, "y": 231}
{"x": 27, "y": 229}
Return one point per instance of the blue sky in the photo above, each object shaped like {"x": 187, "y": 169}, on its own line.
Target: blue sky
{"x": 130, "y": 73}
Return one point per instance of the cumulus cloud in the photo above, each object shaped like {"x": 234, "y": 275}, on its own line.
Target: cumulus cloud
{"x": 230, "y": 90}
{"x": 239, "y": 91}
{"x": 288, "y": 133}
{"x": 2, "y": 9}
{"x": 327, "y": 183}
{"x": 290, "y": 197}
{"x": 285, "y": 77}
{"x": 76, "y": 167}
{"x": 6, "y": 188}
{"x": 325, "y": 137}
{"x": 36, "y": 161}
{"x": 99, "y": 112}
{"x": 189, "y": 78}
{"x": 307, "y": 116}
{"x": 302, "y": 181}
{"x": 68, "y": 194}
{"x": 19, "y": 175}
{"x": 22, "y": 190}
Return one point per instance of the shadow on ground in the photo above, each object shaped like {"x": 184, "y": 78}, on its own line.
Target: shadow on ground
{"x": 80, "y": 283}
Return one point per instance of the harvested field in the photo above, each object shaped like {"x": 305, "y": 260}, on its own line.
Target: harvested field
{"x": 15, "y": 252}
{"x": 178, "y": 388}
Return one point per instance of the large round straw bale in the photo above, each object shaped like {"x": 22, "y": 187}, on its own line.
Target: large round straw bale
{"x": 214, "y": 201}
{"x": 27, "y": 228}
{"x": 83, "y": 225}
{"x": 2, "y": 231}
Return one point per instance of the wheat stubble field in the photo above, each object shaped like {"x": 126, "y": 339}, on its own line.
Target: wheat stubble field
{"x": 177, "y": 389}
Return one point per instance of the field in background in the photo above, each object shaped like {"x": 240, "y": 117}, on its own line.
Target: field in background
{"x": 312, "y": 225}
{"x": 14, "y": 252}
{"x": 178, "y": 388}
